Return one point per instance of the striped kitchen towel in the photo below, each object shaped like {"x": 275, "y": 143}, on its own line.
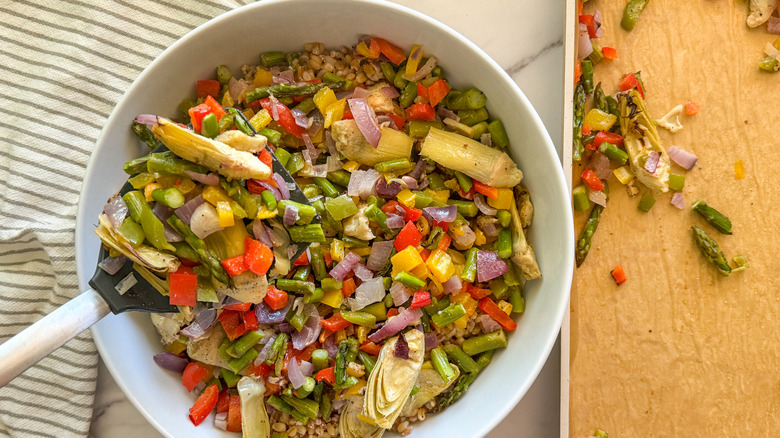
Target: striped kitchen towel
{"x": 64, "y": 64}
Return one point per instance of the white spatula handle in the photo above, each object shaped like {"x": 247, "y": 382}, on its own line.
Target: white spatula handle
{"x": 49, "y": 333}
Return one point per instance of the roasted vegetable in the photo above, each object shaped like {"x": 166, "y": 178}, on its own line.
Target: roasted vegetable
{"x": 642, "y": 142}
{"x": 254, "y": 418}
{"x": 352, "y": 144}
{"x": 522, "y": 253}
{"x": 711, "y": 251}
{"x": 144, "y": 255}
{"x": 430, "y": 385}
{"x": 350, "y": 424}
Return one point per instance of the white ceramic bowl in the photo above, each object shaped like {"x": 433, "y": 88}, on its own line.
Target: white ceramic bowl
{"x": 128, "y": 342}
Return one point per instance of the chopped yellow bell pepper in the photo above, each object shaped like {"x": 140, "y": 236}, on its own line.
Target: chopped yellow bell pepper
{"x": 355, "y": 372}
{"x": 599, "y": 120}
{"x": 420, "y": 272}
{"x": 261, "y": 119}
{"x": 341, "y": 335}
{"x": 363, "y": 49}
{"x": 265, "y": 213}
{"x": 362, "y": 252}
{"x": 367, "y": 420}
{"x": 225, "y": 214}
{"x": 623, "y": 175}
{"x": 480, "y": 238}
{"x": 333, "y": 298}
{"x": 361, "y": 333}
{"x": 249, "y": 113}
{"x": 462, "y": 322}
{"x": 406, "y": 260}
{"x": 176, "y": 347}
{"x": 186, "y": 185}
{"x": 337, "y": 250}
{"x": 506, "y": 307}
{"x": 213, "y": 195}
{"x": 352, "y": 391}
{"x": 440, "y": 264}
{"x": 227, "y": 100}
{"x": 503, "y": 201}
{"x": 263, "y": 78}
{"x": 457, "y": 257}
{"x": 319, "y": 137}
{"x": 413, "y": 63}
{"x": 406, "y": 197}
{"x": 334, "y": 112}
{"x": 469, "y": 303}
{"x": 167, "y": 181}
{"x": 324, "y": 98}
{"x": 739, "y": 170}
{"x": 149, "y": 189}
{"x": 440, "y": 196}
{"x": 351, "y": 166}
{"x": 458, "y": 230}
{"x": 438, "y": 288}
{"x": 452, "y": 184}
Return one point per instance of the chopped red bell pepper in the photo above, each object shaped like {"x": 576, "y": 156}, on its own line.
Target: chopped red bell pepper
{"x": 477, "y": 292}
{"x": 398, "y": 120}
{"x": 327, "y": 374}
{"x": 409, "y": 236}
{"x": 390, "y": 207}
{"x": 392, "y": 312}
{"x": 250, "y": 320}
{"x": 238, "y": 307}
{"x": 444, "y": 242}
{"x": 303, "y": 260}
{"x": 234, "y": 414}
{"x": 208, "y": 88}
{"x": 373, "y": 48}
{"x": 692, "y": 108}
{"x": 491, "y": 308}
{"x": 348, "y": 287}
{"x": 348, "y": 114}
{"x": 183, "y": 287}
{"x": 276, "y": 298}
{"x": 204, "y": 404}
{"x": 437, "y": 91}
{"x": 231, "y": 323}
{"x": 258, "y": 256}
{"x": 588, "y": 21}
{"x": 193, "y": 374}
{"x": 223, "y": 402}
{"x": 609, "y": 52}
{"x": 607, "y": 137}
{"x": 586, "y": 130}
{"x": 286, "y": 119}
{"x": 619, "y": 275}
{"x": 421, "y": 298}
{"x": 630, "y": 81}
{"x": 262, "y": 370}
{"x": 265, "y": 157}
{"x": 489, "y": 191}
{"x": 592, "y": 180}
{"x": 394, "y": 53}
{"x": 412, "y": 214}
{"x": 420, "y": 111}
{"x": 210, "y": 106}
{"x": 424, "y": 254}
{"x": 422, "y": 91}
{"x": 577, "y": 71}
{"x": 234, "y": 265}
{"x": 467, "y": 195}
{"x": 370, "y": 348}
{"x": 335, "y": 323}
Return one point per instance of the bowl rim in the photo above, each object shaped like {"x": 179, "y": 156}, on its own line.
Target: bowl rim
{"x": 549, "y": 150}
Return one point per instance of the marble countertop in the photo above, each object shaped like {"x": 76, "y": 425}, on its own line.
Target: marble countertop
{"x": 526, "y": 38}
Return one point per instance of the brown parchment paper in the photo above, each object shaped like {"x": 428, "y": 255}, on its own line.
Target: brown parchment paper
{"x": 678, "y": 350}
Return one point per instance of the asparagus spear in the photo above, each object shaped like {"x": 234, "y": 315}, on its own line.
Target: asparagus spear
{"x": 170, "y": 164}
{"x": 206, "y": 256}
{"x": 453, "y": 395}
{"x": 145, "y": 134}
{"x": 583, "y": 243}
{"x": 579, "y": 112}
{"x": 711, "y": 251}
{"x": 600, "y": 99}
{"x": 287, "y": 90}
{"x": 714, "y": 217}
{"x": 587, "y": 76}
{"x": 136, "y": 166}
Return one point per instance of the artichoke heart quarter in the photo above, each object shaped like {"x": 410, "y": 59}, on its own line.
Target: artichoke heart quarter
{"x": 350, "y": 424}
{"x": 642, "y": 143}
{"x": 215, "y": 155}
{"x": 392, "y": 380}
{"x": 254, "y": 417}
{"x": 431, "y": 384}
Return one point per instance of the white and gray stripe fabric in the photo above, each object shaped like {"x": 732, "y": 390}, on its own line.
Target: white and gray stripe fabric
{"x": 63, "y": 67}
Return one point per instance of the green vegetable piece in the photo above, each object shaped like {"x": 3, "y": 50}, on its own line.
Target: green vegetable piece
{"x": 206, "y": 255}
{"x": 242, "y": 362}
{"x": 632, "y": 12}
{"x": 326, "y": 408}
{"x": 329, "y": 284}
{"x": 516, "y": 299}
{"x": 408, "y": 94}
{"x": 282, "y": 155}
{"x": 273, "y": 136}
{"x": 231, "y": 379}
{"x": 464, "y": 181}
{"x": 599, "y": 98}
{"x": 368, "y": 361}
{"x": 741, "y": 262}
{"x": 614, "y": 153}
{"x": 711, "y": 251}
{"x": 676, "y": 182}
{"x": 359, "y": 318}
{"x": 393, "y": 165}
{"x": 409, "y": 280}
{"x": 419, "y": 128}
{"x": 228, "y": 121}
{"x": 307, "y": 233}
{"x": 309, "y": 408}
{"x": 224, "y": 74}
{"x": 510, "y": 278}
{"x": 327, "y": 187}
{"x": 341, "y": 207}
{"x": 276, "y": 347}
{"x": 466, "y": 208}
{"x": 450, "y": 314}
{"x": 306, "y": 105}
{"x": 170, "y": 197}
{"x": 484, "y": 359}
{"x": 479, "y": 129}
{"x": 141, "y": 180}
{"x": 244, "y": 343}
{"x": 441, "y": 364}
{"x": 470, "y": 268}
{"x": 646, "y": 203}
{"x": 314, "y": 297}
{"x": 587, "y": 76}
{"x": 142, "y": 213}
{"x": 714, "y": 217}
{"x": 579, "y": 112}
{"x": 146, "y": 135}
{"x": 468, "y": 100}
{"x": 580, "y": 198}
{"x": 347, "y": 352}
{"x": 482, "y": 343}
{"x": 340, "y": 177}
{"x": 461, "y": 359}
{"x": 500, "y": 288}
{"x": 379, "y": 310}
{"x": 504, "y": 243}
{"x": 374, "y": 214}
{"x": 387, "y": 70}
{"x": 472, "y": 117}
{"x": 306, "y": 213}
{"x": 137, "y": 166}
{"x": 354, "y": 242}
{"x": 498, "y": 134}
{"x": 307, "y": 387}
{"x": 131, "y": 231}
{"x": 596, "y": 55}
{"x": 270, "y": 59}
{"x": 600, "y": 434}
{"x": 586, "y": 237}
{"x": 184, "y": 107}
{"x": 348, "y": 382}
{"x": 297, "y": 286}
{"x": 320, "y": 359}
{"x": 279, "y": 405}
{"x": 209, "y": 126}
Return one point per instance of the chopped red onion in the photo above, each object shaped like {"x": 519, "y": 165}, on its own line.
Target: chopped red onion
{"x": 652, "y": 161}
{"x": 261, "y": 233}
{"x": 274, "y": 108}
{"x": 598, "y": 197}
{"x": 146, "y": 119}
{"x": 385, "y": 120}
{"x": 452, "y": 285}
{"x": 599, "y": 164}
{"x": 331, "y": 144}
{"x": 266, "y": 315}
{"x": 400, "y": 293}
{"x": 268, "y": 186}
{"x": 369, "y": 292}
{"x": 319, "y": 171}
{"x": 394, "y": 221}
{"x": 682, "y": 157}
{"x": 490, "y": 266}
{"x": 362, "y": 183}
{"x": 362, "y": 272}
{"x": 332, "y": 164}
{"x": 306, "y": 368}
{"x": 313, "y": 151}
{"x": 584, "y": 46}
{"x": 185, "y": 211}
{"x": 316, "y": 122}
{"x": 387, "y": 191}
{"x": 380, "y": 254}
{"x": 163, "y": 213}
{"x": 479, "y": 201}
{"x": 431, "y": 341}
{"x": 203, "y": 322}
{"x": 264, "y": 352}
{"x": 331, "y": 346}
{"x": 486, "y": 139}
{"x": 397, "y": 323}
{"x": 419, "y": 169}
{"x": 300, "y": 118}
{"x": 171, "y": 362}
{"x": 290, "y": 215}
{"x": 116, "y": 210}
{"x": 410, "y": 182}
{"x": 126, "y": 284}
{"x": 401, "y": 350}
{"x": 297, "y": 379}
{"x": 205, "y": 220}
{"x": 773, "y": 25}
{"x": 422, "y": 71}
{"x": 210, "y": 179}
{"x": 112, "y": 265}
{"x": 237, "y": 88}
{"x": 441, "y": 214}
{"x": 445, "y": 113}
{"x": 283, "y": 189}
{"x": 340, "y": 271}
{"x": 678, "y": 200}
{"x": 390, "y": 92}
{"x": 489, "y": 325}
{"x": 220, "y": 420}
{"x": 365, "y": 119}
{"x": 310, "y": 331}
